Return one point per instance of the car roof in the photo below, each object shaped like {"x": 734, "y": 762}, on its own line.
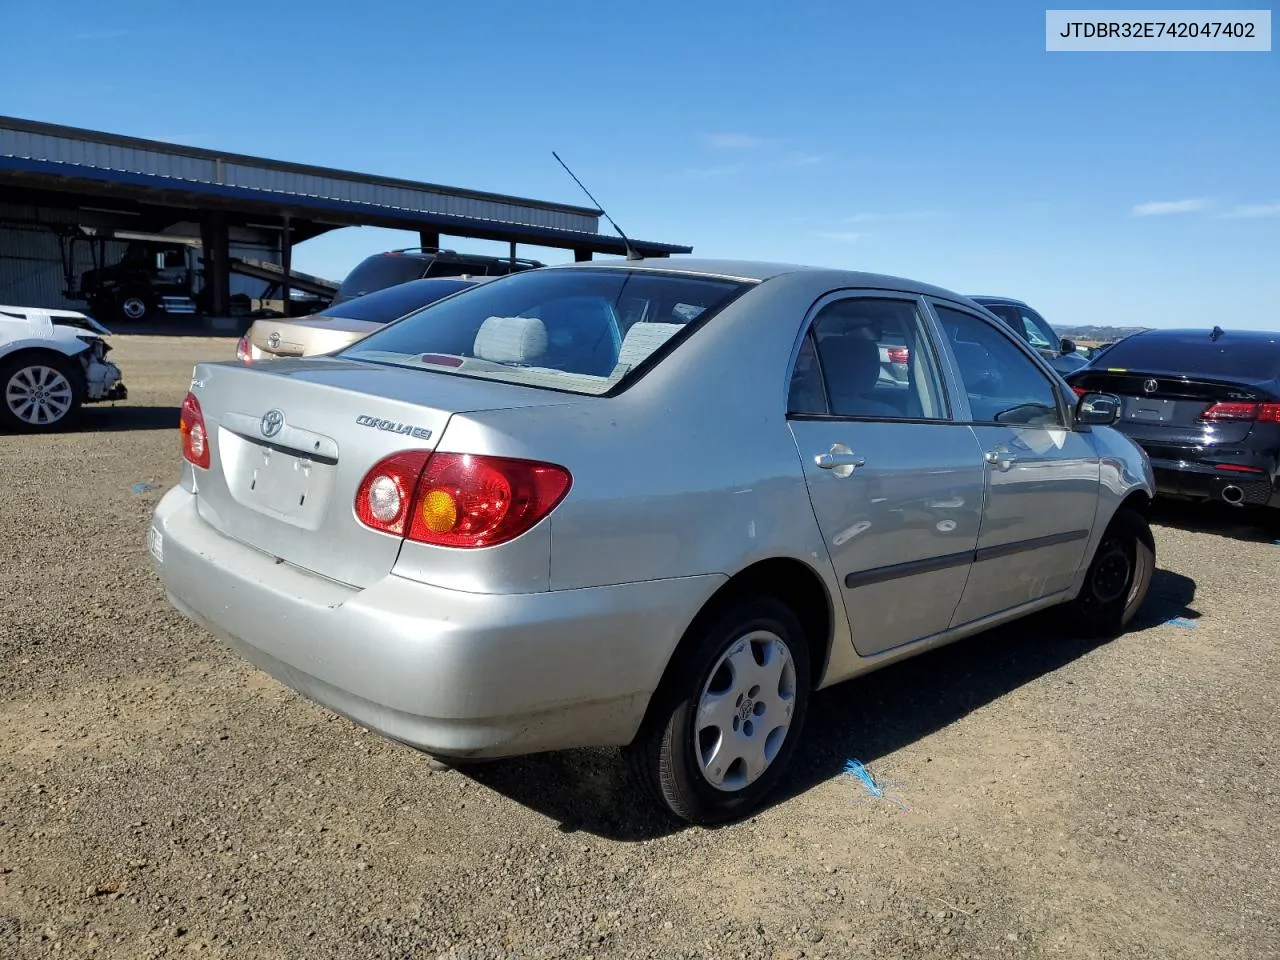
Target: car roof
{"x": 1194, "y": 334}
{"x": 984, "y": 298}
{"x": 761, "y": 270}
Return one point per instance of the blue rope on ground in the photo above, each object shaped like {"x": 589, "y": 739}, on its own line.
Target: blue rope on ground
{"x": 876, "y": 789}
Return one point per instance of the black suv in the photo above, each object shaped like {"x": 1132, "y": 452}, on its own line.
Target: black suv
{"x": 1026, "y": 323}
{"x": 414, "y": 263}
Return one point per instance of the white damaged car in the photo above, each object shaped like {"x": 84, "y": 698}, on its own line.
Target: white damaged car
{"x": 52, "y": 362}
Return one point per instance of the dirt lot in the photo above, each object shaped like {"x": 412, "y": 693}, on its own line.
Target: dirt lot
{"x": 157, "y": 797}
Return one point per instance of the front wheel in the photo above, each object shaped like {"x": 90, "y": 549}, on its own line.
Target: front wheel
{"x": 725, "y": 722}
{"x": 1119, "y": 577}
{"x": 38, "y": 393}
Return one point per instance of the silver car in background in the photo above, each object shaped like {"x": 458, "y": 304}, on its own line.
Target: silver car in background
{"x": 648, "y": 504}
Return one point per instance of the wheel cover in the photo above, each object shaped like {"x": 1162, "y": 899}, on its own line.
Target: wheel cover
{"x": 745, "y": 711}
{"x": 133, "y": 308}
{"x": 38, "y": 395}
{"x": 1113, "y": 572}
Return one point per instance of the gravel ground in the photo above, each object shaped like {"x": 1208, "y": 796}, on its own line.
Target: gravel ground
{"x": 1059, "y": 799}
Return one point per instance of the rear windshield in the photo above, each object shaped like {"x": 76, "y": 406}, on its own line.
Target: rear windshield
{"x": 1194, "y": 354}
{"x": 577, "y": 329}
{"x": 394, "y": 302}
{"x": 380, "y": 271}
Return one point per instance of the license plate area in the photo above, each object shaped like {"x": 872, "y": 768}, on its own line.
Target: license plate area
{"x": 277, "y": 483}
{"x": 1149, "y": 410}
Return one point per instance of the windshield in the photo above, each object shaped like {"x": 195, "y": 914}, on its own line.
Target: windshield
{"x": 378, "y": 272}
{"x": 577, "y": 329}
{"x": 1195, "y": 355}
{"x": 393, "y": 303}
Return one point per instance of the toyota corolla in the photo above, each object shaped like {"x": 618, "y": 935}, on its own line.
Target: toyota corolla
{"x": 646, "y": 504}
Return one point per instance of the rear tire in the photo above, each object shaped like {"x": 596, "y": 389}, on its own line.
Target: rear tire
{"x": 723, "y": 726}
{"x": 1118, "y": 578}
{"x": 39, "y": 392}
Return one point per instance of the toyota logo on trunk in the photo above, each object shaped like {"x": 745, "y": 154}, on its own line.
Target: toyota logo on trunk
{"x": 272, "y": 422}
{"x": 273, "y": 341}
{"x": 1151, "y": 386}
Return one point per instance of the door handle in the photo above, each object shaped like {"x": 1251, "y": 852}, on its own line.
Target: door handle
{"x": 999, "y": 457}
{"x": 840, "y": 460}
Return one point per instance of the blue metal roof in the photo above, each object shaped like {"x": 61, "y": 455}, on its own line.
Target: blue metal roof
{"x": 87, "y": 161}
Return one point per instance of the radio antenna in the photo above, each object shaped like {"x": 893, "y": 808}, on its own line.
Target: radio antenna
{"x": 632, "y": 253}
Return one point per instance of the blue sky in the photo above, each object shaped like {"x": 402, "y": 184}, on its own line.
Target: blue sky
{"x": 935, "y": 141}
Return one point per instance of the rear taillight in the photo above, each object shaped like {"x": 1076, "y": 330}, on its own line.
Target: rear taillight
{"x": 195, "y": 438}
{"x": 458, "y": 500}
{"x": 898, "y": 354}
{"x": 243, "y": 353}
{"x": 1079, "y": 391}
{"x": 385, "y": 495}
{"x": 1262, "y": 412}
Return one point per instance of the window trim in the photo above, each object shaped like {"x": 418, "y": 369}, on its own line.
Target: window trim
{"x": 1066, "y": 413}
{"x": 928, "y": 329}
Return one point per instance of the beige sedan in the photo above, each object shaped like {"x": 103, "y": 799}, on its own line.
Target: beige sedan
{"x": 338, "y": 326}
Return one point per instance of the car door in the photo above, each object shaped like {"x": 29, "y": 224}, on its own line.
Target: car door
{"x": 895, "y": 483}
{"x": 1041, "y": 474}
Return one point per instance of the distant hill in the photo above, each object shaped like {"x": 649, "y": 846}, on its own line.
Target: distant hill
{"x": 1097, "y": 333}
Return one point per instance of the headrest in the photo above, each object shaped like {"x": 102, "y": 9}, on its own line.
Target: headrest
{"x": 644, "y": 339}
{"x": 511, "y": 340}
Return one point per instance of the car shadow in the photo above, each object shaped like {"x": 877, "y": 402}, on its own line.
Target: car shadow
{"x": 867, "y": 718}
{"x": 1251, "y": 524}
{"x": 109, "y": 419}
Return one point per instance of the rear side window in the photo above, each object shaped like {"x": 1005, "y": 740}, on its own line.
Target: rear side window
{"x": 1195, "y": 354}
{"x": 581, "y": 330}
{"x": 870, "y": 358}
{"x": 393, "y": 303}
{"x": 380, "y": 271}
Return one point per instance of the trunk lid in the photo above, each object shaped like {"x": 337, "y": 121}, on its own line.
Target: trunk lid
{"x": 307, "y": 336}
{"x": 291, "y": 441}
{"x": 1162, "y": 410}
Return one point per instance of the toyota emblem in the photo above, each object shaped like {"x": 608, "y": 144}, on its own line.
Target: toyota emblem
{"x": 273, "y": 341}
{"x": 1151, "y": 386}
{"x": 272, "y": 422}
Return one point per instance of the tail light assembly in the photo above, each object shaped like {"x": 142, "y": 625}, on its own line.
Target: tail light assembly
{"x": 457, "y": 499}
{"x": 1236, "y": 412}
{"x": 1079, "y": 391}
{"x": 195, "y": 436}
{"x": 898, "y": 354}
{"x": 243, "y": 353}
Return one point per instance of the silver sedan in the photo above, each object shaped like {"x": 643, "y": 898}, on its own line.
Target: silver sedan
{"x": 649, "y": 504}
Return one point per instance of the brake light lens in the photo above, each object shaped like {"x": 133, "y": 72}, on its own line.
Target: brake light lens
{"x": 1237, "y": 468}
{"x": 898, "y": 354}
{"x": 458, "y": 500}
{"x": 472, "y": 501}
{"x": 1261, "y": 412}
{"x": 195, "y": 438}
{"x": 1079, "y": 391}
{"x": 243, "y": 353}
{"x": 385, "y": 495}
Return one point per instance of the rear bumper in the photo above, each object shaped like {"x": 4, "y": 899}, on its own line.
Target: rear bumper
{"x": 451, "y": 673}
{"x": 1199, "y": 481}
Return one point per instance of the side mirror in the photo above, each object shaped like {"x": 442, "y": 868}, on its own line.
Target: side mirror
{"x": 1067, "y": 346}
{"x": 1098, "y": 409}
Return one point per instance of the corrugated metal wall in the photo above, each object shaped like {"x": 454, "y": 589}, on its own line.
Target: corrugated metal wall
{"x": 184, "y": 166}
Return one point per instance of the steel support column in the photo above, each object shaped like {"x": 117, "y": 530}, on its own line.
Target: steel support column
{"x": 215, "y": 239}
{"x": 286, "y": 264}
{"x": 581, "y": 256}
{"x": 429, "y": 238}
